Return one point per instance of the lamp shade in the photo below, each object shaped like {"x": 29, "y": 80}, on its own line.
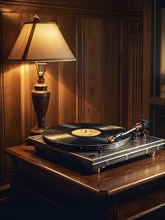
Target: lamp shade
{"x": 39, "y": 41}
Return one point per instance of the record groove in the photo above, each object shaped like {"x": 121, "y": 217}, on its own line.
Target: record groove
{"x": 80, "y": 137}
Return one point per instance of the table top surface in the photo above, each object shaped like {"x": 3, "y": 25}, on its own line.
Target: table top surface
{"x": 111, "y": 181}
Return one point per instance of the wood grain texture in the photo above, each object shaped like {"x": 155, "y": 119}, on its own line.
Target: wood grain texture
{"x": 74, "y": 5}
{"x": 67, "y": 74}
{"x": 112, "y": 79}
{"x": 148, "y": 15}
{"x": 135, "y": 69}
{"x": 93, "y": 69}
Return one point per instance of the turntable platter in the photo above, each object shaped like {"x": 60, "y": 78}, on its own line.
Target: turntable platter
{"x": 82, "y": 136}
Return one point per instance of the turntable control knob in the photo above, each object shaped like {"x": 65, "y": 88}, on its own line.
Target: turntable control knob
{"x": 92, "y": 156}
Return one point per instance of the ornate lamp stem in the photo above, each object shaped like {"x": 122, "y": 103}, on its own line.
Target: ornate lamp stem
{"x": 40, "y": 97}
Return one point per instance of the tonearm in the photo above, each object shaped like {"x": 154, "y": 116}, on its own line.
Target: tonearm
{"x": 140, "y": 127}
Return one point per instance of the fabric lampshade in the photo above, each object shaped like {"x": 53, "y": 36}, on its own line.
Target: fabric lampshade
{"x": 38, "y": 42}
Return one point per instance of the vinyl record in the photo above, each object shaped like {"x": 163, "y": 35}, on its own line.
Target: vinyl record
{"x": 80, "y": 137}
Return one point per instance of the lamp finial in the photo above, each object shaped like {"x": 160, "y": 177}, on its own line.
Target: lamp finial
{"x": 36, "y": 18}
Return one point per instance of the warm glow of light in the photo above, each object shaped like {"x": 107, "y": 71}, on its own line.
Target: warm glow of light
{"x": 47, "y": 44}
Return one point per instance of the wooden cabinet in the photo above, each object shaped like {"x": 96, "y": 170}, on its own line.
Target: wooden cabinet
{"x": 135, "y": 190}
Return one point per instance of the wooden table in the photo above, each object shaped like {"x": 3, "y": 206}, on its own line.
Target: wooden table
{"x": 121, "y": 192}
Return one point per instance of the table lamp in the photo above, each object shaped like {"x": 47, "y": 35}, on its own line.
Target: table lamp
{"x": 40, "y": 43}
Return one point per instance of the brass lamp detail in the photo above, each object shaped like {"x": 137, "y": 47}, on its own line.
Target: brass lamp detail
{"x": 40, "y": 43}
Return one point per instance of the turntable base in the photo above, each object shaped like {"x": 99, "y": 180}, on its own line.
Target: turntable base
{"x": 96, "y": 161}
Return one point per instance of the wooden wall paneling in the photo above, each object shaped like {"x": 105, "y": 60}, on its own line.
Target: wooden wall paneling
{"x": 11, "y": 76}
{"x": 148, "y": 7}
{"x": 2, "y": 138}
{"x": 135, "y": 5}
{"x": 80, "y": 71}
{"x": 11, "y": 85}
{"x": 112, "y": 77}
{"x": 135, "y": 70}
{"x": 67, "y": 74}
{"x": 22, "y": 83}
{"x": 79, "y": 6}
{"x": 124, "y": 72}
{"x": 93, "y": 69}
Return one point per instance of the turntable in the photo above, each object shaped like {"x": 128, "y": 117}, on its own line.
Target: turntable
{"x": 97, "y": 146}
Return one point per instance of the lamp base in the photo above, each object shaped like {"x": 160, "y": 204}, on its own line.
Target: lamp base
{"x": 37, "y": 130}
{"x": 40, "y": 97}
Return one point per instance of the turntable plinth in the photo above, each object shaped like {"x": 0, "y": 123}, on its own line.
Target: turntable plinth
{"x": 123, "y": 192}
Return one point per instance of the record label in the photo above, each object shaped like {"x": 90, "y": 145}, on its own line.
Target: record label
{"x": 86, "y": 132}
